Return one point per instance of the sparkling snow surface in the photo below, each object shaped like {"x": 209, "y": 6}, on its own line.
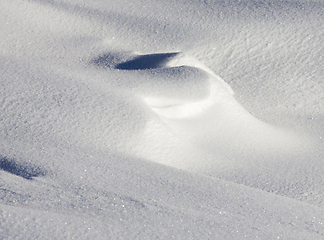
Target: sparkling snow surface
{"x": 161, "y": 119}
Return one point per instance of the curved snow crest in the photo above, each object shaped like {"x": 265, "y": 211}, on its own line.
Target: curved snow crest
{"x": 191, "y": 89}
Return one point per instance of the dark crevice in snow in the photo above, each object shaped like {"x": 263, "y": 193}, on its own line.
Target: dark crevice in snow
{"x": 148, "y": 61}
{"x": 25, "y": 170}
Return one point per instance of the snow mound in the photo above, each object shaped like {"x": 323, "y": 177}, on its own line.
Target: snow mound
{"x": 189, "y": 87}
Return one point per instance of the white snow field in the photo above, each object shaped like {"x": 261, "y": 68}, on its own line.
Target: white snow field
{"x": 161, "y": 119}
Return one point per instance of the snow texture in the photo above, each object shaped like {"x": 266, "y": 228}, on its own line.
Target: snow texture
{"x": 160, "y": 119}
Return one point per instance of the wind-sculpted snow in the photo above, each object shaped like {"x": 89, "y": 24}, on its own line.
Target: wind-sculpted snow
{"x": 161, "y": 119}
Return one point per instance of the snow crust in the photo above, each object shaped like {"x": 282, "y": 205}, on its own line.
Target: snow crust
{"x": 161, "y": 119}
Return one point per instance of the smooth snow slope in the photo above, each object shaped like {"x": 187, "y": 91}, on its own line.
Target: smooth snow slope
{"x": 116, "y": 124}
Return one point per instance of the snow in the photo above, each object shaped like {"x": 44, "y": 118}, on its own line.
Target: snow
{"x": 161, "y": 119}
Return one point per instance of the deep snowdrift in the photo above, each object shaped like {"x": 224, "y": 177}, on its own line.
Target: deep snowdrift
{"x": 115, "y": 122}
